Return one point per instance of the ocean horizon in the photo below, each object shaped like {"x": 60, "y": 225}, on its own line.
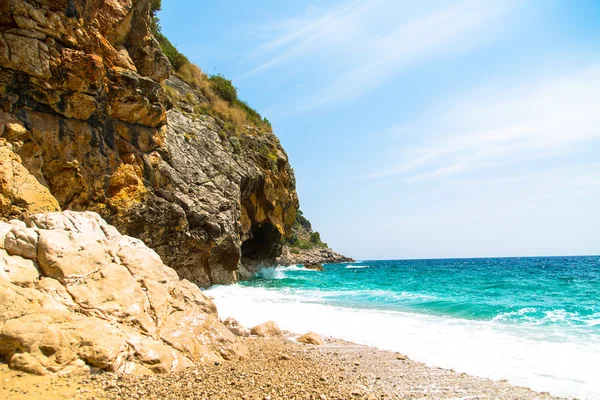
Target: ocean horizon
{"x": 534, "y": 321}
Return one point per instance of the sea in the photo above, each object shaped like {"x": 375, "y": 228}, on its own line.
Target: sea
{"x": 532, "y": 321}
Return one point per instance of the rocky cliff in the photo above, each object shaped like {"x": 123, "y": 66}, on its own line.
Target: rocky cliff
{"x": 305, "y": 246}
{"x": 76, "y": 295}
{"x": 84, "y": 112}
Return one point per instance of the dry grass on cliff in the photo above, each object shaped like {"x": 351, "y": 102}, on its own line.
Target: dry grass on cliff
{"x": 237, "y": 113}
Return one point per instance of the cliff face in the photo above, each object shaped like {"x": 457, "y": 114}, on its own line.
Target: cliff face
{"x": 82, "y": 109}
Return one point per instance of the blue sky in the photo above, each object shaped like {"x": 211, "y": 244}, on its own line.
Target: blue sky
{"x": 422, "y": 129}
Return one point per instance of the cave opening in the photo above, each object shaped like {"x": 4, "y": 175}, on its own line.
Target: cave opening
{"x": 263, "y": 246}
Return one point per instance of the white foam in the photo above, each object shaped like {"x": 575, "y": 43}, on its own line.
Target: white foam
{"x": 357, "y": 266}
{"x": 542, "y": 358}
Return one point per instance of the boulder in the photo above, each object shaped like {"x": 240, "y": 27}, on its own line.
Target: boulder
{"x": 268, "y": 329}
{"x": 314, "y": 267}
{"x": 236, "y": 328}
{"x": 99, "y": 300}
{"x": 311, "y": 338}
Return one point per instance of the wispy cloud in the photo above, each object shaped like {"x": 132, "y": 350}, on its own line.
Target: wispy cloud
{"x": 501, "y": 126}
{"x": 367, "y": 41}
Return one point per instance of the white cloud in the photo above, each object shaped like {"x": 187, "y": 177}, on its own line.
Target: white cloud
{"x": 367, "y": 41}
{"x": 501, "y": 126}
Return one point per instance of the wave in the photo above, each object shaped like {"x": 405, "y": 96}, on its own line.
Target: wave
{"x": 537, "y": 317}
{"x": 542, "y": 358}
{"x": 279, "y": 272}
{"x": 358, "y": 266}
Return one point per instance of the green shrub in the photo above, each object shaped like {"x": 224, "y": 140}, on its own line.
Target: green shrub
{"x": 220, "y": 92}
{"x": 223, "y": 88}
{"x": 300, "y": 219}
{"x": 177, "y": 59}
{"x": 305, "y": 246}
{"x": 315, "y": 238}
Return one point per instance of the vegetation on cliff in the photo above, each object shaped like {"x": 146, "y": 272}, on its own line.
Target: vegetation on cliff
{"x": 220, "y": 95}
{"x": 303, "y": 237}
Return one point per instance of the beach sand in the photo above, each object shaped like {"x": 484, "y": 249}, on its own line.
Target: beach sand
{"x": 277, "y": 369}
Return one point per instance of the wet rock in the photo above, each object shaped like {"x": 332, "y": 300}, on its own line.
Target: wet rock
{"x": 314, "y": 267}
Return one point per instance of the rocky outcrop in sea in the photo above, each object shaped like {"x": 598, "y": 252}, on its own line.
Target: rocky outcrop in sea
{"x": 292, "y": 256}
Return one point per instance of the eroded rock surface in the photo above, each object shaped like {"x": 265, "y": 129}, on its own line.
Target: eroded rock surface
{"x": 81, "y": 104}
{"x": 76, "y": 295}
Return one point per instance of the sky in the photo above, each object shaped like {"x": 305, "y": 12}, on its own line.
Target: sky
{"x": 429, "y": 129}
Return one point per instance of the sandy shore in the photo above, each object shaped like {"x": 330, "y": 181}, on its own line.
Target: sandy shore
{"x": 277, "y": 369}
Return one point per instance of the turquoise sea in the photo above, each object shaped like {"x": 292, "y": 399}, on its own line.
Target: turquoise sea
{"x": 532, "y": 321}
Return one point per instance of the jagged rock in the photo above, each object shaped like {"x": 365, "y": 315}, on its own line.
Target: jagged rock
{"x": 88, "y": 297}
{"x": 268, "y": 329}
{"x": 83, "y": 107}
{"x": 311, "y": 338}
{"x": 292, "y": 256}
{"x": 314, "y": 267}
{"x": 236, "y": 328}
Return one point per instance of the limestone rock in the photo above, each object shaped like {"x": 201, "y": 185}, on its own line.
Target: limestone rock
{"x": 268, "y": 329}
{"x": 99, "y": 300}
{"x": 88, "y": 126}
{"x": 236, "y": 328}
{"x": 311, "y": 338}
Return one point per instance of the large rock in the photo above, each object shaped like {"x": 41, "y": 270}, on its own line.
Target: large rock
{"x": 314, "y": 267}
{"x": 81, "y": 104}
{"x": 268, "y": 329}
{"x": 75, "y": 295}
{"x": 311, "y": 338}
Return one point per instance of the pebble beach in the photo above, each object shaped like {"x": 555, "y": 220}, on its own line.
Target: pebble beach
{"x": 276, "y": 368}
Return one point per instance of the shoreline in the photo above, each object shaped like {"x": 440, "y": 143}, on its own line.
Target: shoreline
{"x": 278, "y": 368}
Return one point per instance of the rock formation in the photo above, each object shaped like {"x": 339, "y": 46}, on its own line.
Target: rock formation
{"x": 294, "y": 256}
{"x": 268, "y": 329}
{"x": 82, "y": 110}
{"x": 305, "y": 247}
{"x": 76, "y": 295}
{"x": 311, "y": 338}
